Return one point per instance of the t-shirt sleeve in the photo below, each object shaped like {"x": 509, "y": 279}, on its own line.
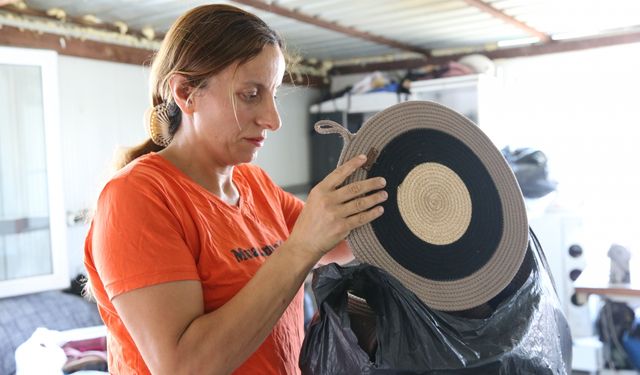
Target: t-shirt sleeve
{"x": 291, "y": 207}
{"x": 138, "y": 238}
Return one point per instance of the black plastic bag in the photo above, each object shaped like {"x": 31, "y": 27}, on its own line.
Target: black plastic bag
{"x": 530, "y": 168}
{"x": 526, "y": 334}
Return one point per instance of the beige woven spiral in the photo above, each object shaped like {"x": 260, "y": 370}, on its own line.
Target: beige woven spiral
{"x": 157, "y": 123}
{"x": 435, "y": 203}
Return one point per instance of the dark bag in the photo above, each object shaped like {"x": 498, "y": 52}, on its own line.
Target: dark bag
{"x": 530, "y": 168}
{"x": 526, "y": 334}
{"x": 614, "y": 320}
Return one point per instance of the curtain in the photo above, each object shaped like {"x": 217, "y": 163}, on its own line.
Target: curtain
{"x": 25, "y": 248}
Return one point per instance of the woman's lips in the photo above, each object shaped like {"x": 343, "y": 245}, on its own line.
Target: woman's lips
{"x": 258, "y": 142}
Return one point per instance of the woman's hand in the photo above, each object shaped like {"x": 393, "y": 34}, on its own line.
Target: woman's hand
{"x": 330, "y": 213}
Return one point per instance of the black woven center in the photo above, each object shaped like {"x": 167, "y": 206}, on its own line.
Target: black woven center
{"x": 476, "y": 246}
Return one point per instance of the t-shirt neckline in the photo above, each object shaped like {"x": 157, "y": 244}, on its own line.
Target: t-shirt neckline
{"x": 212, "y": 197}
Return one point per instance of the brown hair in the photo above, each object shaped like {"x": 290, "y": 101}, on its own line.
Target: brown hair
{"x": 201, "y": 43}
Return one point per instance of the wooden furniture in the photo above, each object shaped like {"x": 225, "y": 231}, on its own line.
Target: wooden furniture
{"x": 597, "y": 283}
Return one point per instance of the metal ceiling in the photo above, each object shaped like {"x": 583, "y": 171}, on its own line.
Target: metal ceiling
{"x": 413, "y": 25}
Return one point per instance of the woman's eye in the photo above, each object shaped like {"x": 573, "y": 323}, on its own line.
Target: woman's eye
{"x": 250, "y": 95}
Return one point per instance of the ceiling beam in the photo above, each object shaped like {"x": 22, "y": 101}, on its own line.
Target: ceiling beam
{"x": 16, "y": 37}
{"x": 78, "y": 21}
{"x": 544, "y": 38}
{"x": 23, "y": 38}
{"x": 333, "y": 26}
{"x": 504, "y": 53}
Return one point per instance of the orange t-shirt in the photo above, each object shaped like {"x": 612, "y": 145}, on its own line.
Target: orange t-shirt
{"x": 153, "y": 224}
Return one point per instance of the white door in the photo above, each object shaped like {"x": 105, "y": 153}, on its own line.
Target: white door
{"x": 32, "y": 219}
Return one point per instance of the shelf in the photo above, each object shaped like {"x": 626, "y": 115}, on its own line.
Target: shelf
{"x": 377, "y": 101}
{"x": 361, "y": 103}
{"x": 449, "y": 83}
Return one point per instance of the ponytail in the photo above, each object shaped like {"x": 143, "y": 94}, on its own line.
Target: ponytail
{"x": 126, "y": 155}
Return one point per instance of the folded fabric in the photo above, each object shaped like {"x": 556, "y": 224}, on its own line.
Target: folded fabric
{"x": 40, "y": 354}
{"x": 51, "y": 352}
{"x": 88, "y": 354}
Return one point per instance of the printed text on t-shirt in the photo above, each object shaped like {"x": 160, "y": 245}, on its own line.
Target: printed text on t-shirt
{"x": 254, "y": 252}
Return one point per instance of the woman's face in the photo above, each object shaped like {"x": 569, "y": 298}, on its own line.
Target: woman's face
{"x": 234, "y": 135}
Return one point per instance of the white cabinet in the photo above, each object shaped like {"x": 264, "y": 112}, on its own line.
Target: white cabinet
{"x": 562, "y": 237}
{"x": 471, "y": 95}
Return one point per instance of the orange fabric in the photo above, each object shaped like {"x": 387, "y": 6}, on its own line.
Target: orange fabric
{"x": 153, "y": 224}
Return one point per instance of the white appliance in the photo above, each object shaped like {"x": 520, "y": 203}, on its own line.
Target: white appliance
{"x": 562, "y": 237}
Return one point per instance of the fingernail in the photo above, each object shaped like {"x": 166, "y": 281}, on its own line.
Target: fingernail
{"x": 384, "y": 195}
{"x": 382, "y": 181}
{"x": 362, "y": 157}
{"x": 380, "y": 209}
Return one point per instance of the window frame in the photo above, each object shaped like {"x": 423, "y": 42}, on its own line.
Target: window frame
{"x": 47, "y": 61}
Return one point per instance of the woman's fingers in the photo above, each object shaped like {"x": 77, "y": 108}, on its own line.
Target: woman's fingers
{"x": 363, "y": 203}
{"x": 364, "y": 217}
{"x": 331, "y": 212}
{"x": 359, "y": 188}
{"x": 354, "y": 198}
{"x": 337, "y": 177}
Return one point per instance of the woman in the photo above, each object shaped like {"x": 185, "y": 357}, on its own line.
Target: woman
{"x": 195, "y": 257}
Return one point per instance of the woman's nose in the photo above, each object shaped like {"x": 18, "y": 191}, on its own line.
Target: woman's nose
{"x": 269, "y": 117}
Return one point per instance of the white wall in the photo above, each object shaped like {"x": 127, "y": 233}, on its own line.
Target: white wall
{"x": 102, "y": 107}
{"x": 581, "y": 108}
{"x": 285, "y": 155}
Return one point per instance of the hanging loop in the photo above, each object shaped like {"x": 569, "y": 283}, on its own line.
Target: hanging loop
{"x": 332, "y": 127}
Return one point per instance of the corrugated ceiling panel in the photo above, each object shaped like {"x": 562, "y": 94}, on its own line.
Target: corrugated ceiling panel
{"x": 585, "y": 16}
{"x": 429, "y": 24}
{"x": 314, "y": 42}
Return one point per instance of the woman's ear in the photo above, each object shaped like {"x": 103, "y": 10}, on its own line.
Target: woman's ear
{"x": 181, "y": 92}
